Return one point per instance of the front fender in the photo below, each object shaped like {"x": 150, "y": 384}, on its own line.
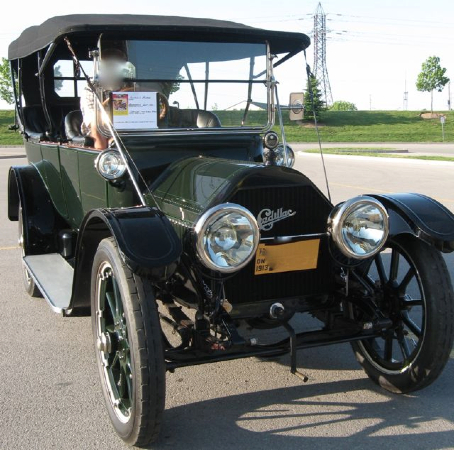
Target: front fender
{"x": 145, "y": 238}
{"x": 421, "y": 216}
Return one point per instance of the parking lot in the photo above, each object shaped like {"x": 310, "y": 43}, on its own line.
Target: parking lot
{"x": 51, "y": 397}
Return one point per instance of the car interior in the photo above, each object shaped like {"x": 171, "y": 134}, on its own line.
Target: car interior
{"x": 62, "y": 119}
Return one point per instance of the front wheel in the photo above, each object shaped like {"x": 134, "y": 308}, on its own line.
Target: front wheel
{"x": 412, "y": 287}
{"x": 129, "y": 349}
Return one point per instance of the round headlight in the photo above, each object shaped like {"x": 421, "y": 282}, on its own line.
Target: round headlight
{"x": 227, "y": 237}
{"x": 110, "y": 164}
{"x": 359, "y": 227}
{"x": 280, "y": 156}
{"x": 271, "y": 140}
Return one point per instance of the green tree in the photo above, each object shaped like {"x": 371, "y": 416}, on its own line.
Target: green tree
{"x": 170, "y": 87}
{"x": 341, "y": 105}
{"x": 6, "y": 87}
{"x": 432, "y": 77}
{"x": 58, "y": 84}
{"x": 313, "y": 102}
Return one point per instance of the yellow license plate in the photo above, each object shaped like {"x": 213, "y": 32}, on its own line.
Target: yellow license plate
{"x": 277, "y": 258}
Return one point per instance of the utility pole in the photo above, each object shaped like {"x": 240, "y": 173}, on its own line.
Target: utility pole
{"x": 370, "y": 102}
{"x": 449, "y": 96}
{"x": 320, "y": 69}
{"x": 405, "y": 95}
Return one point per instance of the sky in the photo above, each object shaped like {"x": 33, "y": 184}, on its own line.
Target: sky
{"x": 374, "y": 48}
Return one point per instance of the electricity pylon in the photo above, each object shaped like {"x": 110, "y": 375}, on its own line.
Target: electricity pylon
{"x": 320, "y": 69}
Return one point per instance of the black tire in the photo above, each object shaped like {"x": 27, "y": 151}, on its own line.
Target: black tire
{"x": 29, "y": 284}
{"x": 128, "y": 346}
{"x": 423, "y": 328}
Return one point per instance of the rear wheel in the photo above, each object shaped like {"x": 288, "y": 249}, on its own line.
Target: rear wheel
{"x": 412, "y": 287}
{"x": 129, "y": 348}
{"x": 29, "y": 284}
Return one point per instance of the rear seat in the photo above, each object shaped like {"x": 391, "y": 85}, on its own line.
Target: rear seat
{"x": 35, "y": 123}
{"x": 73, "y": 124}
{"x": 36, "y": 126}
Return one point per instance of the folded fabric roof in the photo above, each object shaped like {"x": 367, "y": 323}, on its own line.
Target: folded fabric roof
{"x": 184, "y": 28}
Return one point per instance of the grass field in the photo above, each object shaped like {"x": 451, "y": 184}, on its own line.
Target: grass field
{"x": 8, "y": 137}
{"x": 360, "y": 126}
{"x": 335, "y": 126}
{"x": 374, "y": 126}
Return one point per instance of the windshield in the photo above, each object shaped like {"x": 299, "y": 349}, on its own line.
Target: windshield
{"x": 162, "y": 85}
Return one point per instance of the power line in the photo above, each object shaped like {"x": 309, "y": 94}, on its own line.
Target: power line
{"x": 370, "y": 35}
{"x": 370, "y": 38}
{"x": 416, "y": 21}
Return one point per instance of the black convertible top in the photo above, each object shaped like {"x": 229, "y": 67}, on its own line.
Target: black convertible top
{"x": 185, "y": 28}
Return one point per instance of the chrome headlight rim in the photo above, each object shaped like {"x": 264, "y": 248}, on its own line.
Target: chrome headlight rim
{"x": 341, "y": 212}
{"x": 280, "y": 153}
{"x": 209, "y": 218}
{"x": 268, "y": 139}
{"x": 121, "y": 166}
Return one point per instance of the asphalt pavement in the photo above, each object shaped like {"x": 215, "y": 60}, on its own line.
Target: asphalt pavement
{"x": 51, "y": 396}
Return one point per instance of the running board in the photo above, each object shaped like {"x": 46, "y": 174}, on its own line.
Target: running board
{"x": 54, "y": 278}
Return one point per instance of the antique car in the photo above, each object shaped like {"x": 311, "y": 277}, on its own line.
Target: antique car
{"x": 190, "y": 235}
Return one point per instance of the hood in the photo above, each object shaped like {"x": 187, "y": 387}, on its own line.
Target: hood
{"x": 189, "y": 187}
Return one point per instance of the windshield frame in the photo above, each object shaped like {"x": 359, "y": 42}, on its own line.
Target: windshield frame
{"x": 239, "y": 129}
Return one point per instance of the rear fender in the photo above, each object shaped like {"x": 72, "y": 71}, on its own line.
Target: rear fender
{"x": 41, "y": 220}
{"x": 145, "y": 238}
{"x": 421, "y": 216}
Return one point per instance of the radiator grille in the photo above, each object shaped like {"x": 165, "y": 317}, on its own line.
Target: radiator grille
{"x": 312, "y": 211}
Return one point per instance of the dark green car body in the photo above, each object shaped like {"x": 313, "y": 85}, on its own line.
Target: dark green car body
{"x": 195, "y": 219}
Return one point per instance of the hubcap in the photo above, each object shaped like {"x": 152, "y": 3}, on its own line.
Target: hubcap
{"x": 103, "y": 343}
{"x": 112, "y": 343}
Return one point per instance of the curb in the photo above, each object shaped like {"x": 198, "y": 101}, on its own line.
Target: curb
{"x": 12, "y": 156}
{"x": 353, "y": 150}
{"x": 358, "y": 150}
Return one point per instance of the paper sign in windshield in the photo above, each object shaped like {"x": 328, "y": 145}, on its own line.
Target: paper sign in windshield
{"x": 135, "y": 110}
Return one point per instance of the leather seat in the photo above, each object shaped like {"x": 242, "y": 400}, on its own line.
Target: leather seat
{"x": 73, "y": 124}
{"x": 35, "y": 124}
{"x": 192, "y": 118}
{"x": 206, "y": 119}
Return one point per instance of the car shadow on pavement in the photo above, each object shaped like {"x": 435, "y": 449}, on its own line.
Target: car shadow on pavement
{"x": 335, "y": 357}
{"x": 331, "y": 415}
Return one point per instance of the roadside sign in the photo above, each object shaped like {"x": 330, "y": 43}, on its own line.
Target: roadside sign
{"x": 442, "y": 119}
